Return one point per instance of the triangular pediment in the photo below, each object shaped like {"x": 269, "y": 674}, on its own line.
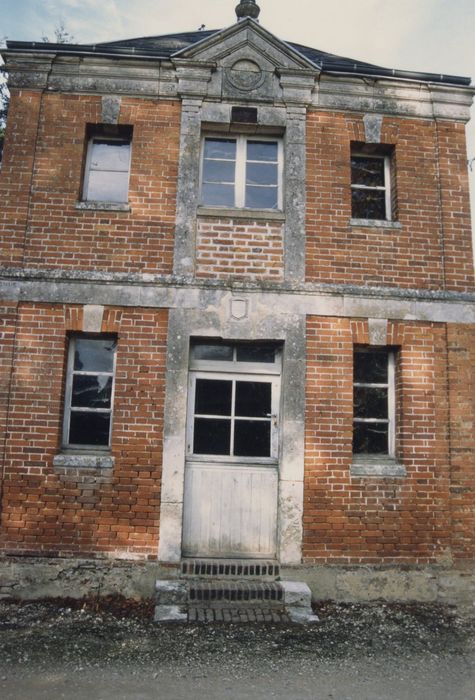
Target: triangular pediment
{"x": 246, "y": 40}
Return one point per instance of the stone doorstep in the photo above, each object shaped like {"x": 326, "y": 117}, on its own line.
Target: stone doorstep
{"x": 182, "y": 601}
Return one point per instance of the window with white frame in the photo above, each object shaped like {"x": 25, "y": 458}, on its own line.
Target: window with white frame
{"x": 107, "y": 168}
{"x": 241, "y": 172}
{"x": 374, "y": 403}
{"x": 89, "y": 394}
{"x": 371, "y": 196}
{"x": 234, "y": 401}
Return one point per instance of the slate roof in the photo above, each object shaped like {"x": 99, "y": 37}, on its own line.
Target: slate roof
{"x": 167, "y": 45}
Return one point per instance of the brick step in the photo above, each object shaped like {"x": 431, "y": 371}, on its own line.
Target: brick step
{"x": 238, "y": 614}
{"x": 183, "y": 600}
{"x": 262, "y": 569}
{"x": 235, "y": 592}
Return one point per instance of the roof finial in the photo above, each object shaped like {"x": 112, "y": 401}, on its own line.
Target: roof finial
{"x": 247, "y": 8}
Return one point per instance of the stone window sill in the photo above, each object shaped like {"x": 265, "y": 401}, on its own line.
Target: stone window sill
{"x": 379, "y": 466}
{"x": 375, "y": 223}
{"x": 87, "y": 461}
{"x": 232, "y": 213}
{"x": 103, "y": 206}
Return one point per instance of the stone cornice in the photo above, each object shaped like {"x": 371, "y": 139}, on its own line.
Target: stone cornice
{"x": 164, "y": 78}
{"x": 121, "y": 289}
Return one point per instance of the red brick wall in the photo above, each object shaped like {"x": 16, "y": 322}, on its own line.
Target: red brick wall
{"x": 432, "y": 249}
{"x": 80, "y": 511}
{"x": 372, "y": 519}
{"x": 240, "y": 248}
{"x": 56, "y": 234}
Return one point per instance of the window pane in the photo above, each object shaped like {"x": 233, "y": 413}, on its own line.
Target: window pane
{"x": 107, "y": 155}
{"x": 212, "y": 436}
{"x": 107, "y": 186}
{"x": 89, "y": 428}
{"x": 218, "y": 195}
{"x": 213, "y": 397}
{"x": 252, "y": 438}
{"x": 91, "y": 392}
{"x": 261, "y": 174}
{"x": 368, "y": 204}
{"x": 367, "y": 171}
{"x": 255, "y": 353}
{"x": 261, "y": 197}
{"x": 218, "y": 171}
{"x": 94, "y": 355}
{"x": 370, "y": 438}
{"x": 220, "y": 148}
{"x": 262, "y": 150}
{"x": 213, "y": 352}
{"x": 370, "y": 402}
{"x": 253, "y": 399}
{"x": 371, "y": 367}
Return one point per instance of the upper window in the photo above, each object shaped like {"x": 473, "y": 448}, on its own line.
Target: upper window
{"x": 241, "y": 172}
{"x": 106, "y": 175}
{"x": 234, "y": 401}
{"x": 374, "y": 402}
{"x": 371, "y": 186}
{"x": 89, "y": 392}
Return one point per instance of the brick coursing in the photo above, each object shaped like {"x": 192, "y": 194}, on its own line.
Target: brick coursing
{"x": 84, "y": 511}
{"x": 42, "y": 177}
{"x": 240, "y": 249}
{"x": 432, "y": 249}
{"x": 351, "y": 519}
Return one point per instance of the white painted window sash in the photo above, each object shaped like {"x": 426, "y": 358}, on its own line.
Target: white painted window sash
{"x": 386, "y": 187}
{"x": 70, "y": 373}
{"x": 241, "y": 163}
{"x": 234, "y": 377}
{"x": 390, "y": 421}
{"x": 88, "y": 168}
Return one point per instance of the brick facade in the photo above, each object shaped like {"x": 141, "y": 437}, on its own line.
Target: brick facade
{"x": 160, "y": 271}
{"x": 67, "y": 510}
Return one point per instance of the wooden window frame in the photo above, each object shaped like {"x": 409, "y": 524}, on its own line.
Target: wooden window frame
{"x": 241, "y": 167}
{"x": 70, "y": 374}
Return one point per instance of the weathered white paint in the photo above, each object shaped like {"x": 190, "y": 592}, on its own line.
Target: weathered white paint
{"x": 230, "y": 510}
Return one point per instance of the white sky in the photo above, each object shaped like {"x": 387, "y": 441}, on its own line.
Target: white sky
{"x": 436, "y": 36}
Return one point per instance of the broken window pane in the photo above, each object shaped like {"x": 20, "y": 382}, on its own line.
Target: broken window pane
{"x": 91, "y": 391}
{"x": 91, "y": 355}
{"x": 370, "y": 438}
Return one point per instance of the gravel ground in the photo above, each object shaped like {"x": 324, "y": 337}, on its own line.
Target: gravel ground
{"x": 110, "y": 650}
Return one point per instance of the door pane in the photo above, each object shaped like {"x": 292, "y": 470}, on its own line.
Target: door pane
{"x": 255, "y": 353}
{"x": 212, "y": 436}
{"x": 213, "y": 352}
{"x": 253, "y": 399}
{"x": 213, "y": 397}
{"x": 252, "y": 438}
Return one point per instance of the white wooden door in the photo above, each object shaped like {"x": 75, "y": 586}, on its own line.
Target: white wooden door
{"x": 231, "y": 474}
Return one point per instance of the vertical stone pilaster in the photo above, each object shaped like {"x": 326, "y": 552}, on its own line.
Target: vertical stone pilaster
{"x": 294, "y": 194}
{"x": 188, "y": 187}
